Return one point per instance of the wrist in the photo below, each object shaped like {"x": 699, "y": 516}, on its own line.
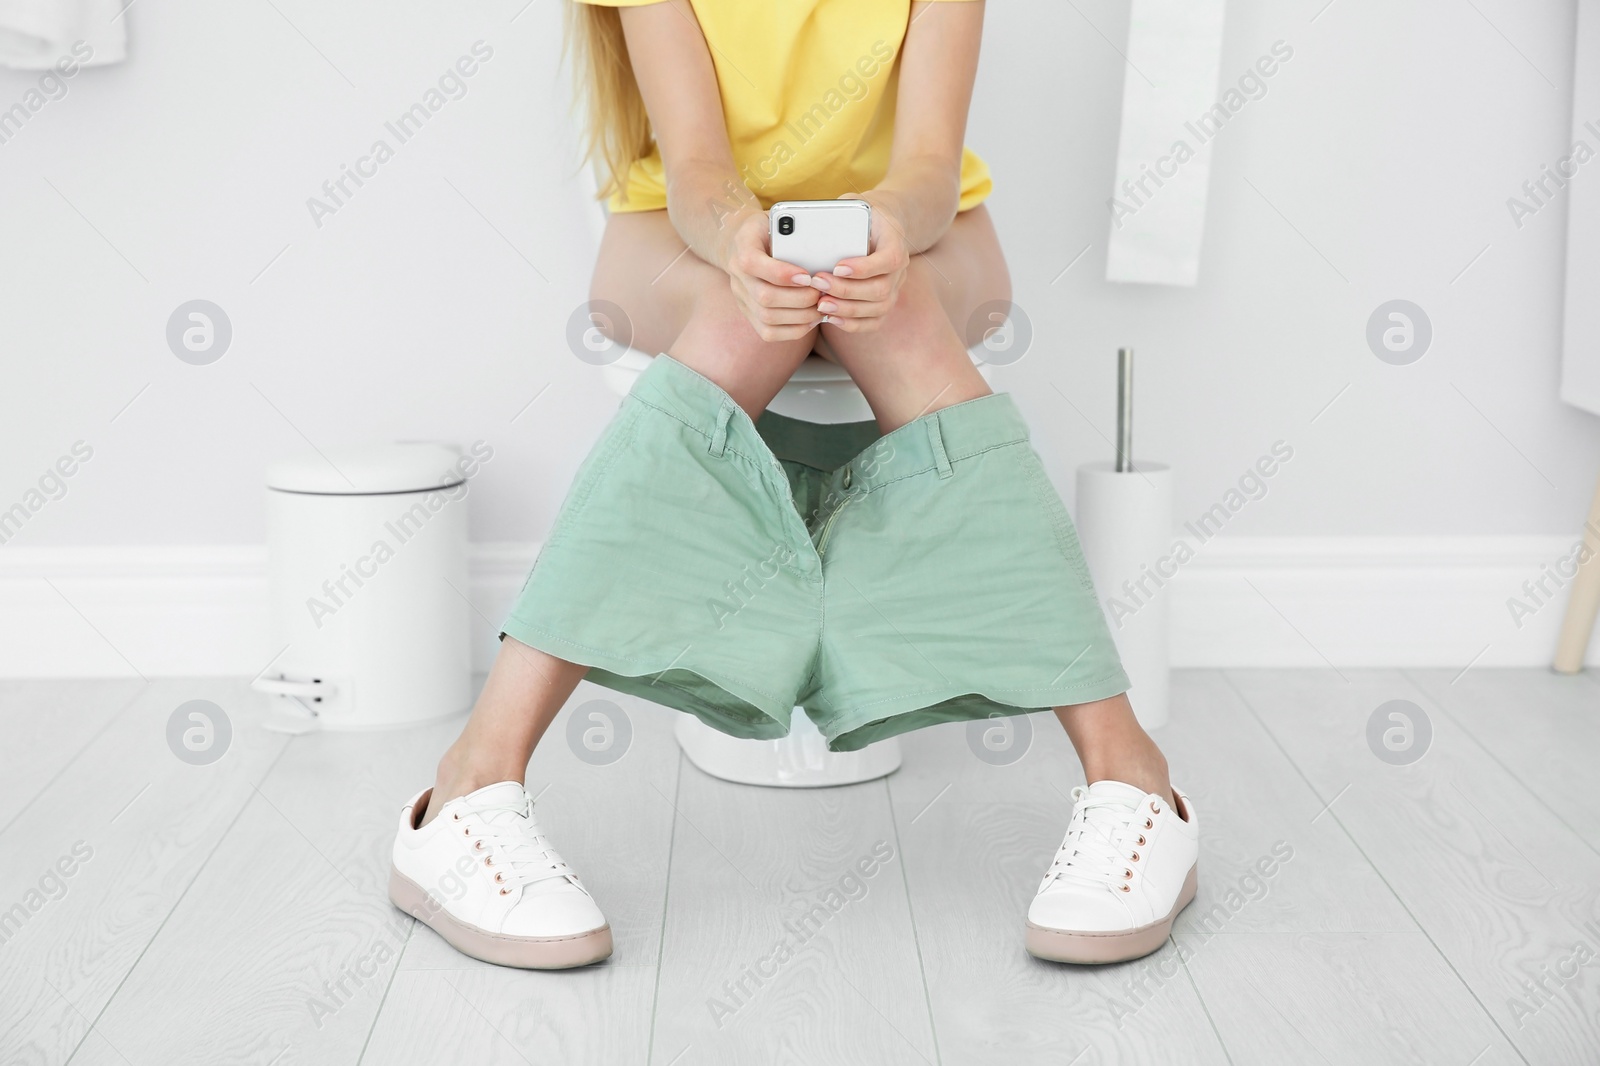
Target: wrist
{"x": 885, "y": 200}
{"x": 726, "y": 244}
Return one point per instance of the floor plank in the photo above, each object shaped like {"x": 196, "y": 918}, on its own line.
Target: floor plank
{"x": 1365, "y": 998}
{"x": 282, "y": 950}
{"x": 143, "y": 823}
{"x": 976, "y": 838}
{"x": 46, "y": 724}
{"x": 1543, "y": 727}
{"x": 613, "y": 824}
{"x": 1270, "y": 861}
{"x": 788, "y": 939}
{"x": 1503, "y": 890}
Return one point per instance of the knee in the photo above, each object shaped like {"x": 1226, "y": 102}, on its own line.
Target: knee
{"x": 718, "y": 322}
{"x": 915, "y": 326}
{"x": 721, "y": 344}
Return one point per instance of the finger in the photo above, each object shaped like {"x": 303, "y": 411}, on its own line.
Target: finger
{"x": 851, "y": 288}
{"x": 853, "y": 325}
{"x": 773, "y": 334}
{"x": 784, "y": 316}
{"x": 758, "y": 264}
{"x": 883, "y": 261}
{"x": 765, "y": 294}
{"x": 854, "y": 308}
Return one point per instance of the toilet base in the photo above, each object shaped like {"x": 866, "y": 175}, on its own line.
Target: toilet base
{"x": 799, "y": 760}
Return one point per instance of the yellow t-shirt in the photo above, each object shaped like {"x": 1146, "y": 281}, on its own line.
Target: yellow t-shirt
{"x": 808, "y": 94}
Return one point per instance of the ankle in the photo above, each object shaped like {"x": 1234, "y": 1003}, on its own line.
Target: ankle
{"x": 462, "y": 771}
{"x": 1141, "y": 765}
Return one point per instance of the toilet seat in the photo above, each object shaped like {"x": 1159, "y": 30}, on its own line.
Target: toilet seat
{"x": 819, "y": 390}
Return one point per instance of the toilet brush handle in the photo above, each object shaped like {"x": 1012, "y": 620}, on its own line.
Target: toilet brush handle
{"x": 1124, "y": 410}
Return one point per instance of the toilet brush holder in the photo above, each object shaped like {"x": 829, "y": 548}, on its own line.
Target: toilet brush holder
{"x": 1124, "y": 519}
{"x": 1125, "y": 529}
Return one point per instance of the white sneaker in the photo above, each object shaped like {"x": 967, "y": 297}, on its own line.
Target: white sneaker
{"x": 483, "y": 876}
{"x": 1124, "y": 871}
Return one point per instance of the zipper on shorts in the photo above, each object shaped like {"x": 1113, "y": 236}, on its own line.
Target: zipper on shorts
{"x": 827, "y": 527}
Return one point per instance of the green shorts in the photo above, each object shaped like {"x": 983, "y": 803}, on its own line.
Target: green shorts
{"x": 737, "y": 569}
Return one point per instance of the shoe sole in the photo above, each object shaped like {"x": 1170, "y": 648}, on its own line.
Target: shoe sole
{"x": 524, "y": 952}
{"x": 1093, "y": 949}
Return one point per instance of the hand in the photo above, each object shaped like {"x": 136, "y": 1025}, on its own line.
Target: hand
{"x": 776, "y": 297}
{"x": 859, "y": 292}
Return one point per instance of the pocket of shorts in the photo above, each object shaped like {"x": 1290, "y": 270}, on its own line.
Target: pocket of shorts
{"x": 1055, "y": 513}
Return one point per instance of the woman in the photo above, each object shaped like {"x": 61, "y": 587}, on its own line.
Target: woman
{"x": 733, "y": 563}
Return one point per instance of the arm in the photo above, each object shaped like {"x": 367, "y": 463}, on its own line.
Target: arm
{"x": 718, "y": 218}
{"x": 916, "y": 201}
{"x": 938, "y": 64}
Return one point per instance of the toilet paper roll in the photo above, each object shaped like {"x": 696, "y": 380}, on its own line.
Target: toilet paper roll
{"x": 1125, "y": 526}
{"x": 1169, "y": 116}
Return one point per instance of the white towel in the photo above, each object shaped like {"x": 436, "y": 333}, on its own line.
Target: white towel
{"x": 36, "y": 34}
{"x": 1158, "y": 203}
{"x": 1580, "y": 365}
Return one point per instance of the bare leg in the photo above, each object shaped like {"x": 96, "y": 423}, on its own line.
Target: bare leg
{"x": 1112, "y": 746}
{"x": 525, "y": 690}
{"x": 917, "y": 363}
{"x": 677, "y": 303}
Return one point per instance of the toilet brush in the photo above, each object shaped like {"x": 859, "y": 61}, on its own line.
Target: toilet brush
{"x": 1125, "y": 528}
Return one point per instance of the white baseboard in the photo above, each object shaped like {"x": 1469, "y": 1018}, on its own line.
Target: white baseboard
{"x": 1370, "y": 601}
{"x": 1242, "y": 601}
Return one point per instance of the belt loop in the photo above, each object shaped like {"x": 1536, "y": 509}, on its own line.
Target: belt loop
{"x": 719, "y": 434}
{"x": 936, "y": 442}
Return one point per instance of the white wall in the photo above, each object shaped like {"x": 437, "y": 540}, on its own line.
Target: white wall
{"x": 1384, "y": 151}
{"x": 406, "y": 315}
{"x": 1390, "y": 141}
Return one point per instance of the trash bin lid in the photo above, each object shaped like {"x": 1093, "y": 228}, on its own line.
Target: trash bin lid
{"x": 368, "y": 470}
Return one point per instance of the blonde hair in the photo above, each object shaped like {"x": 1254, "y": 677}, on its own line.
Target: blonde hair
{"x": 617, "y": 128}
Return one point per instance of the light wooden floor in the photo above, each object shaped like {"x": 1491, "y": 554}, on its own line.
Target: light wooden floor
{"x": 1446, "y": 912}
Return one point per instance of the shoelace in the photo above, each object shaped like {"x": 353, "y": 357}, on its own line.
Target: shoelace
{"x": 1102, "y": 842}
{"x": 513, "y": 845}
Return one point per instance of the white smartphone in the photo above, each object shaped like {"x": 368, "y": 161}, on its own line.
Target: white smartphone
{"x": 815, "y": 234}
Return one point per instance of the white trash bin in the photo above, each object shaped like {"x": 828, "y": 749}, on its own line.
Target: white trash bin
{"x": 367, "y": 561}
